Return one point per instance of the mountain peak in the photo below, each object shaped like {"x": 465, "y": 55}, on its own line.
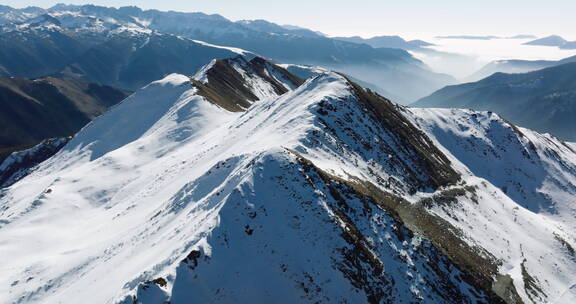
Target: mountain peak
{"x": 236, "y": 83}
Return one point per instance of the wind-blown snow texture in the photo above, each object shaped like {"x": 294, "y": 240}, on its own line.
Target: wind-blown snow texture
{"x": 289, "y": 201}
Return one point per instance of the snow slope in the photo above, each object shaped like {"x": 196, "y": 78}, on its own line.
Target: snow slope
{"x": 526, "y": 185}
{"x": 318, "y": 192}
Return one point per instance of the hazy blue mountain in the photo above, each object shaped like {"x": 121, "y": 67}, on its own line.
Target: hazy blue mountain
{"x": 471, "y": 37}
{"x": 487, "y": 37}
{"x": 553, "y": 40}
{"x": 386, "y": 67}
{"x": 295, "y": 27}
{"x": 522, "y": 36}
{"x": 543, "y": 100}
{"x": 387, "y": 42}
{"x": 570, "y": 45}
{"x": 516, "y": 66}
{"x": 132, "y": 61}
{"x": 269, "y": 27}
{"x": 93, "y": 29}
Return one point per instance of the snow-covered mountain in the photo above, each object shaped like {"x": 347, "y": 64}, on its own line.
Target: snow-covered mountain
{"x": 244, "y": 183}
{"x": 123, "y": 57}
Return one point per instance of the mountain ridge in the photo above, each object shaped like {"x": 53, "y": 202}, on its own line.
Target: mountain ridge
{"x": 327, "y": 192}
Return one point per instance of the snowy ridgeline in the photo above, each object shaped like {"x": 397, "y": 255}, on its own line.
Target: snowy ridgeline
{"x": 317, "y": 192}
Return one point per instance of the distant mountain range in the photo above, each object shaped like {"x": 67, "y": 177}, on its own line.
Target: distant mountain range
{"x": 107, "y": 45}
{"x": 34, "y": 110}
{"x": 126, "y": 56}
{"x": 516, "y": 66}
{"x": 469, "y": 37}
{"x": 554, "y": 40}
{"x": 543, "y": 100}
{"x": 269, "y": 27}
{"x": 387, "y": 42}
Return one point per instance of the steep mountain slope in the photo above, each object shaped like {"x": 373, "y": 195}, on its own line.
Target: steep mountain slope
{"x": 95, "y": 31}
{"x": 37, "y": 52}
{"x": 320, "y": 191}
{"x": 516, "y": 66}
{"x": 33, "y": 110}
{"x": 543, "y": 100}
{"x": 532, "y": 177}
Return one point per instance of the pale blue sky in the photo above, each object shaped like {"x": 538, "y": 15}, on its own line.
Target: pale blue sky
{"x": 412, "y": 18}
